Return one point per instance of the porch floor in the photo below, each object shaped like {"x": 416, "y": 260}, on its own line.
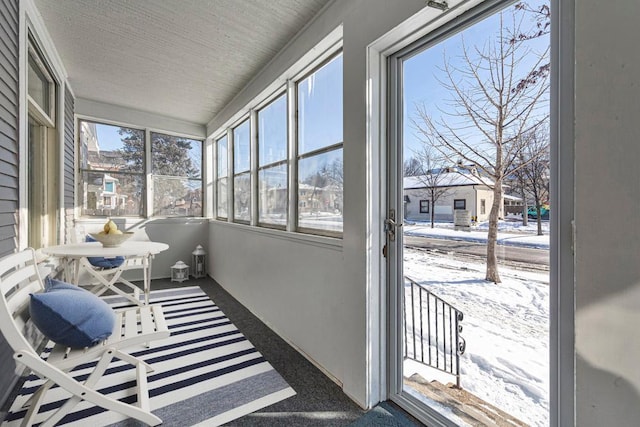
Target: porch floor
{"x": 318, "y": 400}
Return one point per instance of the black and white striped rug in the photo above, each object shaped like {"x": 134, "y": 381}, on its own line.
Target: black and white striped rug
{"x": 207, "y": 373}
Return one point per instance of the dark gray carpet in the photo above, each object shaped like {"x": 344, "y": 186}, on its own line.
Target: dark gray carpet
{"x": 385, "y": 414}
{"x": 318, "y": 400}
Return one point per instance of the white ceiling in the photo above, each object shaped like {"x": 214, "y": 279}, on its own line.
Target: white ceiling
{"x": 184, "y": 59}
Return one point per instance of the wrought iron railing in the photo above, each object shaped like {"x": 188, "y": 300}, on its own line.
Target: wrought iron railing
{"x": 432, "y": 330}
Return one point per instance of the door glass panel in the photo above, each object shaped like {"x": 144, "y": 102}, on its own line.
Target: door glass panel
{"x": 39, "y": 85}
{"x": 36, "y": 194}
{"x": 474, "y": 298}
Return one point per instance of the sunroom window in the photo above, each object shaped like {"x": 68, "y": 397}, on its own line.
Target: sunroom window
{"x": 320, "y": 165}
{"x": 242, "y": 173}
{"x": 222, "y": 178}
{"x": 115, "y": 180}
{"x": 176, "y": 165}
{"x": 295, "y": 181}
{"x": 112, "y": 173}
{"x": 272, "y": 168}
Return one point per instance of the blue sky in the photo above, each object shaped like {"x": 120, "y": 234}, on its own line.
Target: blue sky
{"x": 420, "y": 72}
{"x": 109, "y": 139}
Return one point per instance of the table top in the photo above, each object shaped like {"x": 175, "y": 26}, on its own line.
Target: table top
{"x": 95, "y": 249}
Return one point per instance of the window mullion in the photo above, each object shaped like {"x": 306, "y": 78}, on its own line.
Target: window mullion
{"x": 148, "y": 210}
{"x": 253, "y": 165}
{"x": 210, "y": 202}
{"x": 292, "y": 123}
{"x": 230, "y": 176}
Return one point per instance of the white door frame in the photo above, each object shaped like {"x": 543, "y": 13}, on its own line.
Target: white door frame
{"x": 562, "y": 356}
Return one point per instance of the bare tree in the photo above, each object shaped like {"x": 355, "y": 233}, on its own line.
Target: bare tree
{"x": 542, "y": 18}
{"x": 534, "y": 174}
{"x": 488, "y": 112}
{"x": 521, "y": 185}
{"x": 432, "y": 177}
{"x": 412, "y": 167}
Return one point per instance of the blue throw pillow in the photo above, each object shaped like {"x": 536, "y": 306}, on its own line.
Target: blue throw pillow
{"x": 71, "y": 316}
{"x": 50, "y": 283}
{"x": 103, "y": 262}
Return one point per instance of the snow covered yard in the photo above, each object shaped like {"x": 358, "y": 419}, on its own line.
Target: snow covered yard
{"x": 506, "y": 327}
{"x": 511, "y": 232}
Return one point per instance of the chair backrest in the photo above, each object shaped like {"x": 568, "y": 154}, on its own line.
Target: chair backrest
{"x": 76, "y": 234}
{"x": 19, "y": 277}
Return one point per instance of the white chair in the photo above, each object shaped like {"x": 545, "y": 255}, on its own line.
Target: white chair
{"x": 100, "y": 279}
{"x": 19, "y": 277}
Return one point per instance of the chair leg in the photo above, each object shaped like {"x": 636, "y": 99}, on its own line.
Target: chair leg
{"x": 91, "y": 381}
{"x": 35, "y": 402}
{"x": 85, "y": 391}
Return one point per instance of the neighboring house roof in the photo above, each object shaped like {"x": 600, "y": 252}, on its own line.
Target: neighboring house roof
{"x": 448, "y": 179}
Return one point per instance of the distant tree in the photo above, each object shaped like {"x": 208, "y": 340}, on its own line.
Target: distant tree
{"x": 132, "y": 151}
{"x": 534, "y": 172}
{"x": 432, "y": 177}
{"x": 412, "y": 167}
{"x": 335, "y": 177}
{"x": 520, "y": 185}
{"x": 170, "y": 162}
{"x": 542, "y": 18}
{"x": 334, "y": 172}
{"x": 488, "y": 112}
{"x": 329, "y": 178}
{"x": 170, "y": 156}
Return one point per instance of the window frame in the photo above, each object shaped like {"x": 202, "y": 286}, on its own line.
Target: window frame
{"x": 176, "y": 177}
{"x": 285, "y": 85}
{"x": 142, "y": 175}
{"x": 456, "y": 202}
{"x": 45, "y": 116}
{"x": 42, "y": 201}
{"x": 297, "y": 158}
{"x": 236, "y": 174}
{"x": 146, "y": 176}
{"x": 218, "y": 178}
{"x": 276, "y": 163}
{"x": 424, "y": 206}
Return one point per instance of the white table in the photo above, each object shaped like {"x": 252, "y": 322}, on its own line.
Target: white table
{"x": 137, "y": 254}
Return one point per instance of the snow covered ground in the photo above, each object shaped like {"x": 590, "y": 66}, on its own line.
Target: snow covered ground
{"x": 511, "y": 232}
{"x": 506, "y": 327}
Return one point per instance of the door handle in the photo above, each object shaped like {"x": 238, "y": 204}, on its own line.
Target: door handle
{"x": 390, "y": 226}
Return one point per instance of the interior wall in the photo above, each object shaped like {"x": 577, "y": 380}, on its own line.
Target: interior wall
{"x": 315, "y": 296}
{"x": 181, "y": 234}
{"x": 9, "y": 169}
{"x": 129, "y": 116}
{"x": 607, "y": 204}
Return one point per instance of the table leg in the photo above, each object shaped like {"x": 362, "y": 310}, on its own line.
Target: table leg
{"x": 147, "y": 278}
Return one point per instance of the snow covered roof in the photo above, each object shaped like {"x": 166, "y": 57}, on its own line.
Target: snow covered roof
{"x": 448, "y": 179}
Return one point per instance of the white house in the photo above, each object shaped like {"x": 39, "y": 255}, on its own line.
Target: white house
{"x": 457, "y": 191}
